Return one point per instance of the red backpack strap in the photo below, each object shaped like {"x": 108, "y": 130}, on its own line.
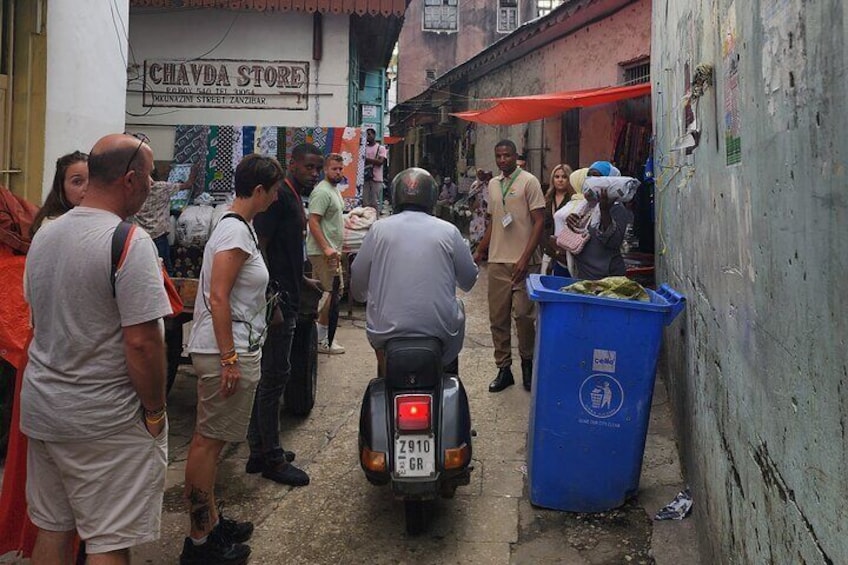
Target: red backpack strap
{"x": 121, "y": 239}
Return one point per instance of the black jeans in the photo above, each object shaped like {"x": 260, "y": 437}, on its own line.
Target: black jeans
{"x": 263, "y": 435}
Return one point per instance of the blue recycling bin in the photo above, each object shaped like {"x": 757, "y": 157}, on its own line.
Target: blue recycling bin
{"x": 594, "y": 370}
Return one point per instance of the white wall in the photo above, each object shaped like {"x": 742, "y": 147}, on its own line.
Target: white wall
{"x": 273, "y": 36}
{"x": 86, "y": 76}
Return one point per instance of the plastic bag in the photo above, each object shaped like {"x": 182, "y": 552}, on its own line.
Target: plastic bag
{"x": 194, "y": 224}
{"x": 618, "y": 189}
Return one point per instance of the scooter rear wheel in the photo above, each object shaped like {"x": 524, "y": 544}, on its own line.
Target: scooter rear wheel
{"x": 416, "y": 516}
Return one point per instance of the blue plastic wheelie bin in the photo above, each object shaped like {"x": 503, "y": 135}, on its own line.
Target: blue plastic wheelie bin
{"x": 593, "y": 380}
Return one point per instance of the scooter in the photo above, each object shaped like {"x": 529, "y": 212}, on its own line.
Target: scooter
{"x": 415, "y": 428}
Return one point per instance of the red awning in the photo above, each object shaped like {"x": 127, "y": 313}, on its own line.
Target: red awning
{"x": 522, "y": 109}
{"x": 360, "y": 7}
{"x": 391, "y": 139}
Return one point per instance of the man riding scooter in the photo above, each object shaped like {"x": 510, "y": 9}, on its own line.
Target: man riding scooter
{"x": 415, "y": 425}
{"x": 408, "y": 269}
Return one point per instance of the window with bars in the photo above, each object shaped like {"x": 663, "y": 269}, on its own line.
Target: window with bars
{"x": 544, "y": 7}
{"x": 637, "y": 73}
{"x": 441, "y": 15}
{"x": 508, "y": 20}
{"x": 431, "y": 75}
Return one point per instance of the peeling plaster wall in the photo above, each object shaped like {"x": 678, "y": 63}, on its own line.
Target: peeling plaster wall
{"x": 590, "y": 57}
{"x": 759, "y": 371}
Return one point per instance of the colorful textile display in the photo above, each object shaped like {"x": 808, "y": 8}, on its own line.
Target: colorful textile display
{"x": 220, "y": 148}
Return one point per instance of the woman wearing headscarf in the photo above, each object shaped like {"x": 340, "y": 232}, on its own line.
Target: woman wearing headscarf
{"x": 607, "y": 224}
{"x": 558, "y": 195}
{"x": 603, "y": 169}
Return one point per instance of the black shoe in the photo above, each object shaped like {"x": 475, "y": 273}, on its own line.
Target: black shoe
{"x": 503, "y": 380}
{"x": 236, "y": 532}
{"x": 285, "y": 474}
{"x": 527, "y": 373}
{"x": 215, "y": 551}
{"x": 255, "y": 463}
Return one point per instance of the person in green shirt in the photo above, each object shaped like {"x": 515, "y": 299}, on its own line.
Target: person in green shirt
{"x": 324, "y": 242}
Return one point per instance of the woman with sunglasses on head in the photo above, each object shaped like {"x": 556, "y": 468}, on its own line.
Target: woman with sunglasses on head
{"x": 69, "y": 184}
{"x": 226, "y": 347}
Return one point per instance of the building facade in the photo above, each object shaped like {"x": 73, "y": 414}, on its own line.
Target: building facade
{"x": 61, "y": 86}
{"x": 235, "y": 64}
{"x": 751, "y": 121}
{"x": 581, "y": 44}
{"x": 440, "y": 34}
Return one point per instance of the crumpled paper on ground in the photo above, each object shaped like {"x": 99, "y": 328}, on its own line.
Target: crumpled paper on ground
{"x": 678, "y": 508}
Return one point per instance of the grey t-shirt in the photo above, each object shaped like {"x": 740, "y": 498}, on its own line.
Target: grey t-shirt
{"x": 76, "y": 385}
{"x": 407, "y": 270}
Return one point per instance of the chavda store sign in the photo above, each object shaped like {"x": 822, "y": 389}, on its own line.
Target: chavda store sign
{"x": 227, "y": 83}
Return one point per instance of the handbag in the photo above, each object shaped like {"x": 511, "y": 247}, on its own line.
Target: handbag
{"x": 120, "y": 246}
{"x": 572, "y": 241}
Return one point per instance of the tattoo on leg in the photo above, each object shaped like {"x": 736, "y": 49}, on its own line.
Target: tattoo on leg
{"x": 199, "y": 511}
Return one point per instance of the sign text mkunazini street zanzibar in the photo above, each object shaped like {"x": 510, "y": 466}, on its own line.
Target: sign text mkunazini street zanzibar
{"x": 226, "y": 83}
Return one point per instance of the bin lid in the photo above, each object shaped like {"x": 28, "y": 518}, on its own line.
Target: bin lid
{"x": 544, "y": 288}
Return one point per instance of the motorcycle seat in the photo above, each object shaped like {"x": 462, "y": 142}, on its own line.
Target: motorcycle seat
{"x": 413, "y": 362}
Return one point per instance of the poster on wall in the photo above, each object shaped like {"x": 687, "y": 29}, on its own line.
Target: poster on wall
{"x": 226, "y": 83}
{"x": 219, "y": 149}
{"x": 730, "y": 60}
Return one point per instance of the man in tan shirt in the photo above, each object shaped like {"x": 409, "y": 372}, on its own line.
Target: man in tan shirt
{"x": 511, "y": 243}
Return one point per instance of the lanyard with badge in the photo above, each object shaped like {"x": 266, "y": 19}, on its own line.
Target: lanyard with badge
{"x": 505, "y": 188}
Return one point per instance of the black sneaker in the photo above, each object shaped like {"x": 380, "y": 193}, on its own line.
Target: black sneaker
{"x": 255, "y": 463}
{"x": 285, "y": 474}
{"x": 236, "y": 532}
{"x": 215, "y": 551}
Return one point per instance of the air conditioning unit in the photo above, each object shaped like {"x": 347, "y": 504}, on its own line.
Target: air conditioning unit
{"x": 444, "y": 115}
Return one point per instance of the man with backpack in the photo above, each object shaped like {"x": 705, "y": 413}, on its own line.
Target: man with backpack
{"x": 93, "y": 395}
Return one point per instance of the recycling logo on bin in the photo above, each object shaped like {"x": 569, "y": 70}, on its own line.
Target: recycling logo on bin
{"x": 601, "y": 396}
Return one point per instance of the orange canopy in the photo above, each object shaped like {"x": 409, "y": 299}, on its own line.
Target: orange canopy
{"x": 391, "y": 139}
{"x": 522, "y": 109}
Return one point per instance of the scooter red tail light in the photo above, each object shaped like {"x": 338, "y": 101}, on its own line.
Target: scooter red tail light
{"x": 413, "y": 412}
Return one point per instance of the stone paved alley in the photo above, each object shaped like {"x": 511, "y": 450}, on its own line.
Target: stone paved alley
{"x": 341, "y": 518}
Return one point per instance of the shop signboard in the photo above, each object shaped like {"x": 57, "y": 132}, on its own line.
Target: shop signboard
{"x": 226, "y": 83}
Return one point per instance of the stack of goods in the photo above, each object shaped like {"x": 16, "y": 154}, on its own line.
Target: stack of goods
{"x": 187, "y": 261}
{"x": 357, "y": 222}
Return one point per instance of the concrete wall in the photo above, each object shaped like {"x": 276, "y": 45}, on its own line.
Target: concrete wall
{"x": 275, "y": 36}
{"x": 419, "y": 50}
{"x": 589, "y": 58}
{"x": 86, "y": 76}
{"x": 759, "y": 371}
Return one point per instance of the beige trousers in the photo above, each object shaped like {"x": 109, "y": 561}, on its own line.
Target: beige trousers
{"x": 507, "y": 301}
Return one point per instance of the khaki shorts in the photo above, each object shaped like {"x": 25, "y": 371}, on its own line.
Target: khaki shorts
{"x": 321, "y": 270}
{"x": 222, "y": 418}
{"x": 109, "y": 490}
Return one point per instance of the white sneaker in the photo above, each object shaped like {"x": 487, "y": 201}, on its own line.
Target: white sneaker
{"x": 327, "y": 349}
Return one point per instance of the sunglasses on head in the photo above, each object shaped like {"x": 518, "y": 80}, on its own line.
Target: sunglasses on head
{"x": 142, "y": 140}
